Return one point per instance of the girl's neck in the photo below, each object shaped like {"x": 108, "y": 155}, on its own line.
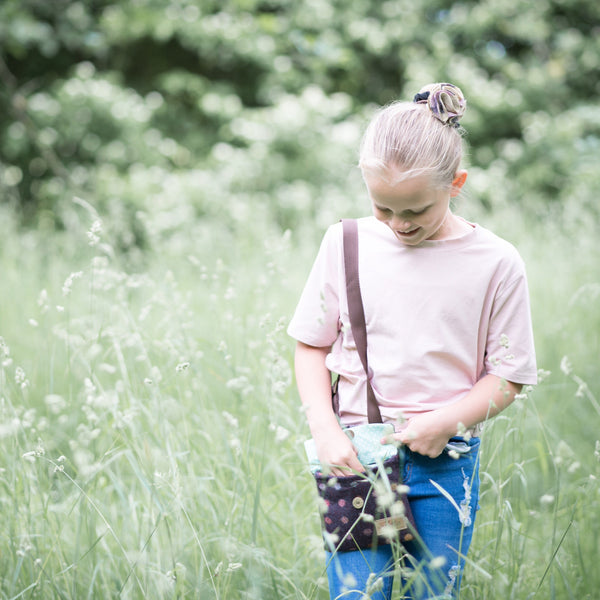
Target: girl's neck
{"x": 453, "y": 227}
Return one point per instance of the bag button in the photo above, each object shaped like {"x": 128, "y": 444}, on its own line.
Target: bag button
{"x": 358, "y": 502}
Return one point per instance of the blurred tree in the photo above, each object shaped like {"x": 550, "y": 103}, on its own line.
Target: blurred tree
{"x": 162, "y": 82}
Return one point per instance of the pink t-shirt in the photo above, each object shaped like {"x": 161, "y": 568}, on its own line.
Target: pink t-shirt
{"x": 439, "y": 317}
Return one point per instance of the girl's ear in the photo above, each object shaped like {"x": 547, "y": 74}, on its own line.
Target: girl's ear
{"x": 458, "y": 182}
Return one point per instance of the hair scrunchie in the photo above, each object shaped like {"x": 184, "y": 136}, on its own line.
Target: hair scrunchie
{"x": 445, "y": 101}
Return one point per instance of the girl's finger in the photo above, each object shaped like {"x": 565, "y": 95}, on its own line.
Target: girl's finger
{"x": 394, "y": 438}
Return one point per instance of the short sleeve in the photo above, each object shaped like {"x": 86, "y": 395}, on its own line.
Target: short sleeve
{"x": 316, "y": 319}
{"x": 510, "y": 351}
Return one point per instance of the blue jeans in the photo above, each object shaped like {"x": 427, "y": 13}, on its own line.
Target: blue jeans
{"x": 431, "y": 565}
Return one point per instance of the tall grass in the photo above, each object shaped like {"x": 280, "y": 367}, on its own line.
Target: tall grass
{"x": 151, "y": 438}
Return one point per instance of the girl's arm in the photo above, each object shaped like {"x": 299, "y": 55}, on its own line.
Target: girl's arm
{"x": 429, "y": 432}
{"x": 314, "y": 386}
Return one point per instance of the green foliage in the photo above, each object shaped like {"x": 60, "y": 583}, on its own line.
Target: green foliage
{"x": 160, "y": 83}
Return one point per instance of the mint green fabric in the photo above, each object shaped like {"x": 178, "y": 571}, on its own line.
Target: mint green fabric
{"x": 367, "y": 441}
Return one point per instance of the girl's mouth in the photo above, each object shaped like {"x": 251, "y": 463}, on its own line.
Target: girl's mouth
{"x": 406, "y": 234}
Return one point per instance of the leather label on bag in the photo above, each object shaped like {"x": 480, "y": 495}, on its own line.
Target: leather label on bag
{"x": 398, "y": 523}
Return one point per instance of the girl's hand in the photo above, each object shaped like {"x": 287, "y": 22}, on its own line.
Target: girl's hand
{"x": 426, "y": 434}
{"x": 336, "y": 452}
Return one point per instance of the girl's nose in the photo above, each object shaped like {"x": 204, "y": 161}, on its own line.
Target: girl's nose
{"x": 400, "y": 223}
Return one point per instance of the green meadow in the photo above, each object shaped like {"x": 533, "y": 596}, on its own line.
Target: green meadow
{"x": 151, "y": 435}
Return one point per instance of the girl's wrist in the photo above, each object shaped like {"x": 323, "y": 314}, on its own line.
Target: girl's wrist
{"x": 450, "y": 424}
{"x": 324, "y": 425}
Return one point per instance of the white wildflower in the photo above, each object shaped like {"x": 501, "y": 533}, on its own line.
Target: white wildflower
{"x": 5, "y": 360}
{"x": 349, "y": 581}
{"x": 465, "y": 504}
{"x": 452, "y": 575}
{"x": 374, "y": 584}
{"x": 543, "y": 374}
{"x": 463, "y": 432}
{"x": 29, "y": 456}
{"x": 55, "y": 403}
{"x": 281, "y": 434}
{"x": 231, "y": 420}
{"x": 322, "y": 505}
{"x": 504, "y": 341}
{"x": 177, "y": 573}
{"x": 9, "y": 428}
{"x": 236, "y": 445}
{"x": 241, "y": 384}
{"x": 385, "y": 499}
{"x": 20, "y": 378}
{"x": 43, "y": 301}
{"x": 367, "y": 518}
{"x": 28, "y": 418}
{"x": 565, "y": 365}
{"x": 389, "y": 531}
{"x": 68, "y": 284}
{"x": 171, "y": 576}
{"x": 155, "y": 374}
{"x": 39, "y": 449}
{"x": 93, "y": 234}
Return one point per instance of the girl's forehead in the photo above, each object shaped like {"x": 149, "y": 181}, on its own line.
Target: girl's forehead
{"x": 391, "y": 184}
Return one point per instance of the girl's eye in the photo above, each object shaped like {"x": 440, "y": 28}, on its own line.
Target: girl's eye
{"x": 419, "y": 212}
{"x": 410, "y": 213}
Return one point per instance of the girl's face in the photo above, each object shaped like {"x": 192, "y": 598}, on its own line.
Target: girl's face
{"x": 414, "y": 209}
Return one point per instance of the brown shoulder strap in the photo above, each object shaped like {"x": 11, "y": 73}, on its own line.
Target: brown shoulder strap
{"x": 356, "y": 309}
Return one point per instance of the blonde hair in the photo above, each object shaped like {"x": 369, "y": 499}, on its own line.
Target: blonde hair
{"x": 407, "y": 139}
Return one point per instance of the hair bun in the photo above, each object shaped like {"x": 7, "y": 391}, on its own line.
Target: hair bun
{"x": 445, "y": 101}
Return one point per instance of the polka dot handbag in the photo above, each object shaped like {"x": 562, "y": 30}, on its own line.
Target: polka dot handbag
{"x": 366, "y": 509}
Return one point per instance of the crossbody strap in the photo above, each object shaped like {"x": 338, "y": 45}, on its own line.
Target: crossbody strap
{"x": 356, "y": 310}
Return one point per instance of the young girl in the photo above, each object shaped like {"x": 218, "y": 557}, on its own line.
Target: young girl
{"x": 449, "y": 341}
